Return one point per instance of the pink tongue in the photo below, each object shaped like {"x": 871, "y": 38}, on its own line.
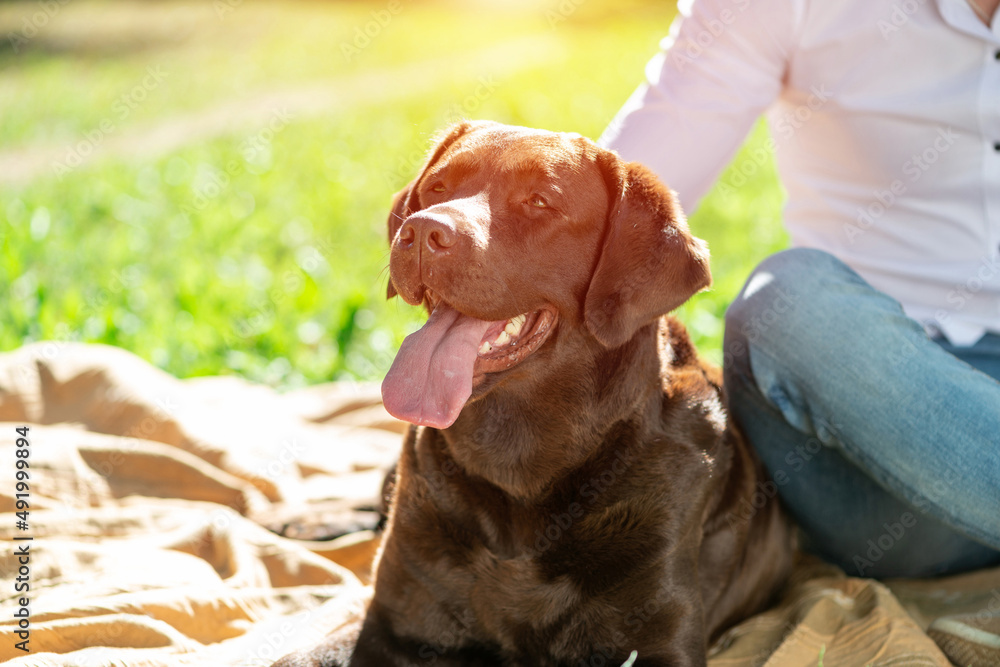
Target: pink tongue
{"x": 431, "y": 377}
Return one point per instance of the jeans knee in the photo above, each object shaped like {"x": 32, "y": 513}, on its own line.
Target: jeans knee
{"x": 785, "y": 295}
{"x": 784, "y": 310}
{"x": 780, "y": 279}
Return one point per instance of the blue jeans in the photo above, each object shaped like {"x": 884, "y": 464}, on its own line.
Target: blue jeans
{"x": 884, "y": 444}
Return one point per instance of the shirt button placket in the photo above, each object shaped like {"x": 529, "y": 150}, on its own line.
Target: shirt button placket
{"x": 992, "y": 166}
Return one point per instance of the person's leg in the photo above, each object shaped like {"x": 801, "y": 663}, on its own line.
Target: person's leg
{"x": 884, "y": 447}
{"x": 984, "y": 356}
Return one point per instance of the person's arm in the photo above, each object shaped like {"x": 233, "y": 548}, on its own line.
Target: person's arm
{"x": 722, "y": 66}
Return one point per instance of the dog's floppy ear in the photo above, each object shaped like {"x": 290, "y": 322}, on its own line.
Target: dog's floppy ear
{"x": 650, "y": 263}
{"x": 406, "y": 202}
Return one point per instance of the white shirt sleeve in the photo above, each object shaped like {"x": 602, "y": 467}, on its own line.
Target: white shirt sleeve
{"x": 722, "y": 65}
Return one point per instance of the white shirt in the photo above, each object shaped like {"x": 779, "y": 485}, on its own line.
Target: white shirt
{"x": 885, "y": 119}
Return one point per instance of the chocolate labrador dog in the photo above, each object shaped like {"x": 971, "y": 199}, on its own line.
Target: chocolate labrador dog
{"x": 571, "y": 490}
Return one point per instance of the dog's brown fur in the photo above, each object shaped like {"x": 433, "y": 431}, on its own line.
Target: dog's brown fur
{"x": 591, "y": 500}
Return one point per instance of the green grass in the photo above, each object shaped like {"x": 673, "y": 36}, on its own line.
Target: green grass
{"x": 270, "y": 263}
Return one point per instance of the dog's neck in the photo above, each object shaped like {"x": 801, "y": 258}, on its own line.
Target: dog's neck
{"x": 523, "y": 436}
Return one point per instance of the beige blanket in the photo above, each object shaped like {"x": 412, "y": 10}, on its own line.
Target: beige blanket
{"x": 145, "y": 499}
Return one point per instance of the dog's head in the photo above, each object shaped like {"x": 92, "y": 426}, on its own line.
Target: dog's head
{"x": 508, "y": 234}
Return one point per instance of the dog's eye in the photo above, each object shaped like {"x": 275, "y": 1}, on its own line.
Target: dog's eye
{"x": 538, "y": 201}
{"x": 437, "y": 187}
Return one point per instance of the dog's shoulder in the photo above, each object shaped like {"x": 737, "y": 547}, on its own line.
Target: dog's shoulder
{"x": 679, "y": 354}
{"x": 693, "y": 408}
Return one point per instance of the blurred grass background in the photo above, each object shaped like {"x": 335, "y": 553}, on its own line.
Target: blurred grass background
{"x": 206, "y": 184}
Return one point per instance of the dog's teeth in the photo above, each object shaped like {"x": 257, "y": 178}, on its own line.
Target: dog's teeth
{"x": 514, "y": 325}
{"x": 503, "y": 338}
{"x": 485, "y": 348}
